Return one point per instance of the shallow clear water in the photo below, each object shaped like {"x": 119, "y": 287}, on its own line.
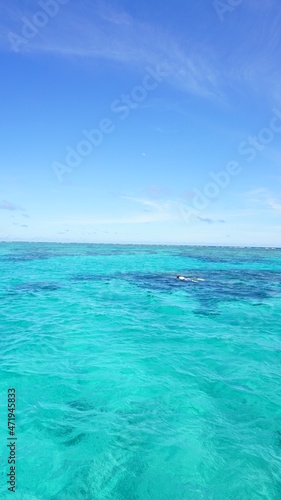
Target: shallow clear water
{"x": 134, "y": 385}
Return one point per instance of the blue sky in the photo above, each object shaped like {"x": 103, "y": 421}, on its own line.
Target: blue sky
{"x": 141, "y": 122}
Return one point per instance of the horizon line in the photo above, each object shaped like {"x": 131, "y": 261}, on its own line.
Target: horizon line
{"x": 270, "y": 247}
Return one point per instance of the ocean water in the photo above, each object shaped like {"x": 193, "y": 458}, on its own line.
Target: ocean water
{"x": 133, "y": 385}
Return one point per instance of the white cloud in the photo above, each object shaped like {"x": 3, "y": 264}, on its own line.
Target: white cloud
{"x": 261, "y": 199}
{"x": 96, "y": 32}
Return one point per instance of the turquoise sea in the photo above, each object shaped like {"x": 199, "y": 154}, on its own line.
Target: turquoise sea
{"x": 131, "y": 384}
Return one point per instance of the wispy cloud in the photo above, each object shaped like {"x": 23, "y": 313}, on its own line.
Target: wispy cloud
{"x": 208, "y": 220}
{"x": 275, "y": 204}
{"x": 145, "y": 211}
{"x": 6, "y": 205}
{"x": 262, "y": 198}
{"x": 134, "y": 219}
{"x": 160, "y": 210}
{"x": 101, "y": 31}
{"x": 146, "y": 202}
{"x": 257, "y": 67}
